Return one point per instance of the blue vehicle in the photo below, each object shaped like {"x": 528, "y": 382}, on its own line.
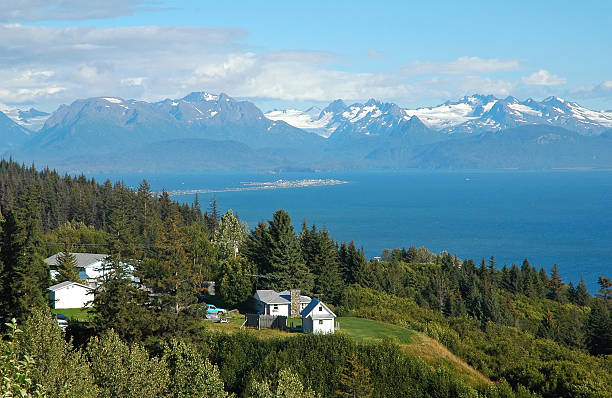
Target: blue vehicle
{"x": 211, "y": 309}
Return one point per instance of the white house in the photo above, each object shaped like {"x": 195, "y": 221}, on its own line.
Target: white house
{"x": 269, "y": 302}
{"x": 70, "y": 295}
{"x": 91, "y": 267}
{"x": 318, "y": 318}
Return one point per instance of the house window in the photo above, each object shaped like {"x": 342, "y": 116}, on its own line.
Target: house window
{"x": 320, "y": 321}
{"x": 275, "y": 307}
{"x": 320, "y": 308}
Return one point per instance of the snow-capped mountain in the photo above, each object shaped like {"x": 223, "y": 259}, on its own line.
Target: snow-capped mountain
{"x": 12, "y": 135}
{"x": 311, "y": 119}
{"x": 32, "y": 119}
{"x": 199, "y": 115}
{"x": 339, "y": 121}
{"x": 474, "y": 114}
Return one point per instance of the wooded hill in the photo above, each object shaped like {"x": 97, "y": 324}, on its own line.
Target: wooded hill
{"x": 520, "y": 326}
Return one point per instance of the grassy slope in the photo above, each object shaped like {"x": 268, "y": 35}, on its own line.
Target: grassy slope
{"x": 413, "y": 343}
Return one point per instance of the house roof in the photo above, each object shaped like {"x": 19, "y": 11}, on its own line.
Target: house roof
{"x": 62, "y": 285}
{"x": 314, "y": 304}
{"x": 270, "y": 297}
{"x": 83, "y": 259}
{"x": 286, "y": 294}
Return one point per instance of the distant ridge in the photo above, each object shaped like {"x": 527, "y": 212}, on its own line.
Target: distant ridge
{"x": 204, "y": 131}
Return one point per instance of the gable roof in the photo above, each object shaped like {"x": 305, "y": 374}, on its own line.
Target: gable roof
{"x": 83, "y": 259}
{"x": 64, "y": 284}
{"x": 311, "y": 307}
{"x": 270, "y": 297}
{"x": 286, "y": 294}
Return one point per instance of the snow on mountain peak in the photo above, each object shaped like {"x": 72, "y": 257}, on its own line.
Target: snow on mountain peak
{"x": 113, "y": 100}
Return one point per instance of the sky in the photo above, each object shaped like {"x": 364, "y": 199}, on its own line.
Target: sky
{"x": 282, "y": 54}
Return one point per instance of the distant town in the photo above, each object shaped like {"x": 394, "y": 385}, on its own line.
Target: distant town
{"x": 254, "y": 186}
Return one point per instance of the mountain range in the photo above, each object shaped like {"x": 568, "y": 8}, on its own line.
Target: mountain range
{"x": 204, "y": 131}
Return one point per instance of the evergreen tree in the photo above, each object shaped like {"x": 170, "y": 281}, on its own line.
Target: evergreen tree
{"x": 355, "y": 380}
{"x": 515, "y": 279}
{"x": 605, "y": 290}
{"x": 286, "y": 268}
{"x": 321, "y": 256}
{"x": 121, "y": 306}
{"x": 352, "y": 263}
{"x": 555, "y": 285}
{"x": 212, "y": 215}
{"x": 413, "y": 255}
{"x": 548, "y": 329}
{"x": 67, "y": 266}
{"x": 127, "y": 371}
{"x": 191, "y": 374}
{"x": 599, "y": 329}
{"x": 236, "y": 283}
{"x": 581, "y": 295}
{"x": 21, "y": 288}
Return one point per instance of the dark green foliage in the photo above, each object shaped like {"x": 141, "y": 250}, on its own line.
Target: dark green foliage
{"x": 276, "y": 251}
{"x": 355, "y": 381}
{"x": 321, "y": 256}
{"x": 121, "y": 306}
{"x": 555, "y": 285}
{"x": 24, "y": 276}
{"x": 599, "y": 329}
{"x": 67, "y": 266}
{"x": 352, "y": 263}
{"x": 236, "y": 284}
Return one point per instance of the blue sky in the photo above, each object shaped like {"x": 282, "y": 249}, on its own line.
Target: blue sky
{"x": 284, "y": 53}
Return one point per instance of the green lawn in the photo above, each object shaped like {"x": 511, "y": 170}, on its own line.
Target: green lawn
{"x": 74, "y": 314}
{"x": 365, "y": 330}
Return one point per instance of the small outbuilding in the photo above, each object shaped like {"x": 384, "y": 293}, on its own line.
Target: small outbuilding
{"x": 70, "y": 295}
{"x": 318, "y": 318}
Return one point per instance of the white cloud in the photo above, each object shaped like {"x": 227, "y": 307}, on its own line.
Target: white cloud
{"x": 544, "y": 78}
{"x": 48, "y": 10}
{"x": 463, "y": 65}
{"x": 152, "y": 63}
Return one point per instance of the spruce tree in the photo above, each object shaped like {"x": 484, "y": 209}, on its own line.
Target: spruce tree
{"x": 582, "y": 296}
{"x": 21, "y": 288}
{"x": 286, "y": 268}
{"x": 321, "y": 256}
{"x": 599, "y": 329}
{"x": 555, "y": 285}
{"x": 352, "y": 262}
{"x": 67, "y": 266}
{"x": 355, "y": 381}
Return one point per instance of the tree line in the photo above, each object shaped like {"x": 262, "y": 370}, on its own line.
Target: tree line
{"x": 480, "y": 312}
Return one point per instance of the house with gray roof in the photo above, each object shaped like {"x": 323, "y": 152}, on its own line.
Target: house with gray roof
{"x": 270, "y": 302}
{"x": 92, "y": 267}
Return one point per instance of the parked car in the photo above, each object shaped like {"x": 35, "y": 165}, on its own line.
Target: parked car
{"x": 62, "y": 321}
{"x": 211, "y": 309}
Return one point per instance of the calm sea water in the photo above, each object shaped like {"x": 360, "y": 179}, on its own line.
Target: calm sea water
{"x": 562, "y": 217}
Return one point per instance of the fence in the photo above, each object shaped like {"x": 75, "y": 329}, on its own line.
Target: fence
{"x": 266, "y": 321}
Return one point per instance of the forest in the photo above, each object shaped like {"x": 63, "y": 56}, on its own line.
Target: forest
{"x": 526, "y": 330}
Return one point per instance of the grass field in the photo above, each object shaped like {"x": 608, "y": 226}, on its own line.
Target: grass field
{"x": 74, "y": 314}
{"x": 365, "y": 330}
{"x": 411, "y": 342}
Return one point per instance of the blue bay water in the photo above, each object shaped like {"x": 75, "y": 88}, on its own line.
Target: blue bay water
{"x": 561, "y": 217}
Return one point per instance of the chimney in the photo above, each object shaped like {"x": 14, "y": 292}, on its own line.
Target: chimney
{"x": 295, "y": 303}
